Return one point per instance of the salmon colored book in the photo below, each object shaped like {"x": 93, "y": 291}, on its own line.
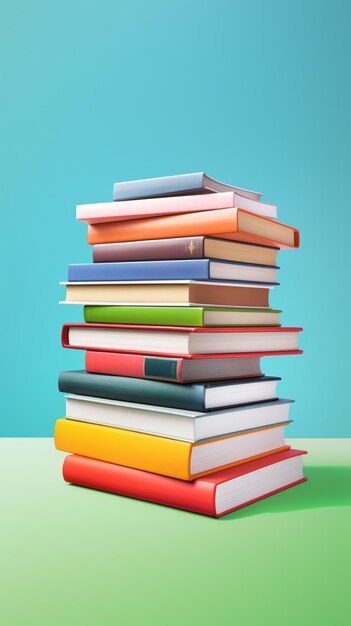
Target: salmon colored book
{"x": 160, "y": 455}
{"x": 184, "y": 369}
{"x": 232, "y": 223}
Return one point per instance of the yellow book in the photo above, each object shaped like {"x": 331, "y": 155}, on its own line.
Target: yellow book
{"x": 160, "y": 455}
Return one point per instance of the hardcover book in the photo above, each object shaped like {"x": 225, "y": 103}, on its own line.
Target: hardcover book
{"x": 135, "y": 209}
{"x": 185, "y": 248}
{"x": 178, "y": 340}
{"x": 181, "y": 316}
{"x": 161, "y": 455}
{"x": 176, "y": 423}
{"x": 186, "y": 369}
{"x": 215, "y": 495}
{"x": 193, "y": 397}
{"x": 194, "y": 269}
{"x": 235, "y": 224}
{"x": 170, "y": 293}
{"x": 182, "y": 184}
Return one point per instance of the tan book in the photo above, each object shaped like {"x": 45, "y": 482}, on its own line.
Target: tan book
{"x": 187, "y": 293}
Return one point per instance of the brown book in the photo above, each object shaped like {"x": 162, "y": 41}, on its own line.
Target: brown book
{"x": 185, "y": 248}
{"x": 186, "y": 293}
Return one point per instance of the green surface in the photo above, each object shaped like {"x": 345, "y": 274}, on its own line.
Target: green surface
{"x": 74, "y": 556}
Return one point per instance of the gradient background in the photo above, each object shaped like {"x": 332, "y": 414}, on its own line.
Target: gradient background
{"x": 253, "y": 92}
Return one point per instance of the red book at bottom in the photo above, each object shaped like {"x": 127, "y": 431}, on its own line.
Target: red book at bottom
{"x": 215, "y": 495}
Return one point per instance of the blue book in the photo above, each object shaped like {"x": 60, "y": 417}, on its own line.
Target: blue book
{"x": 182, "y": 184}
{"x": 192, "y": 269}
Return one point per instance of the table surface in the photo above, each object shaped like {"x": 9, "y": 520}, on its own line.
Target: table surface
{"x": 74, "y": 556}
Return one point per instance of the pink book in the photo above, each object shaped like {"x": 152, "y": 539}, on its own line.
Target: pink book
{"x": 172, "y": 205}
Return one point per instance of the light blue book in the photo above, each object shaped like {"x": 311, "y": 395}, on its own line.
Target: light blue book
{"x": 182, "y": 184}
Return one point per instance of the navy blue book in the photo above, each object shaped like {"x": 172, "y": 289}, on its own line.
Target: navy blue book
{"x": 182, "y": 184}
{"x": 190, "y": 396}
{"x": 192, "y": 269}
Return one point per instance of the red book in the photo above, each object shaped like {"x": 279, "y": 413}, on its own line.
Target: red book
{"x": 179, "y": 340}
{"x": 215, "y": 495}
{"x": 189, "y": 368}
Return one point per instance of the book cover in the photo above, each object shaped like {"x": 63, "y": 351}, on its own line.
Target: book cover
{"x": 170, "y": 316}
{"x": 184, "y": 369}
{"x": 172, "y": 205}
{"x": 197, "y": 496}
{"x": 173, "y": 185}
{"x": 194, "y": 269}
{"x": 235, "y": 224}
{"x": 182, "y": 330}
{"x": 191, "y": 397}
{"x": 185, "y": 248}
{"x": 175, "y": 423}
{"x": 159, "y": 455}
{"x": 169, "y": 293}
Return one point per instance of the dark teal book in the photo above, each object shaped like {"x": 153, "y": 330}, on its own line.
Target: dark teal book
{"x": 192, "y": 397}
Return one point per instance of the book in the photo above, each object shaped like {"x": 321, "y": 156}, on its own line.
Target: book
{"x": 193, "y": 397}
{"x": 181, "y": 316}
{"x": 169, "y": 293}
{"x": 176, "y": 423}
{"x": 192, "y": 269}
{"x": 178, "y": 340}
{"x": 185, "y": 248}
{"x": 235, "y": 224}
{"x": 161, "y": 455}
{"x": 215, "y": 495}
{"x": 173, "y": 205}
{"x": 185, "y": 369}
{"x": 182, "y": 184}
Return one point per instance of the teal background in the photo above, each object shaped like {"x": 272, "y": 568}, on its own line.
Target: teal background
{"x": 255, "y": 93}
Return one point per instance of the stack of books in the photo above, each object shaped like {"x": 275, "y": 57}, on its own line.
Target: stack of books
{"x": 172, "y": 406}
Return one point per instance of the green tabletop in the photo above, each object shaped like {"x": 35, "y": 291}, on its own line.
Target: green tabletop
{"x": 74, "y": 556}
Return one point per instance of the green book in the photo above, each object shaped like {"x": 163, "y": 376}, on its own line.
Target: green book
{"x": 181, "y": 316}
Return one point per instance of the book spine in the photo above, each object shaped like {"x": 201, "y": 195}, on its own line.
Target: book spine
{"x": 194, "y": 269}
{"x": 160, "y": 455}
{"x": 81, "y": 383}
{"x": 197, "y": 496}
{"x": 179, "y": 248}
{"x": 155, "y": 187}
{"x": 159, "y": 316}
{"x": 133, "y": 365}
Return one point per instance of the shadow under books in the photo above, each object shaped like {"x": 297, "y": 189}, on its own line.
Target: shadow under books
{"x": 326, "y": 487}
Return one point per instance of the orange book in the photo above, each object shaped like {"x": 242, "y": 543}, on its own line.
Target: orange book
{"x": 232, "y": 223}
